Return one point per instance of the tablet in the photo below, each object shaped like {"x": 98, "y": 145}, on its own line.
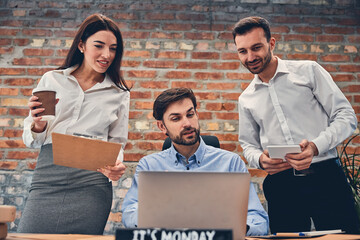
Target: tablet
{"x": 279, "y": 151}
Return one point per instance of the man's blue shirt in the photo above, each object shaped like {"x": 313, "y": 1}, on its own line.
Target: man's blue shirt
{"x": 205, "y": 159}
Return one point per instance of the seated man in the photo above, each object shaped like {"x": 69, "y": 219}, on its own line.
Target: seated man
{"x": 176, "y": 115}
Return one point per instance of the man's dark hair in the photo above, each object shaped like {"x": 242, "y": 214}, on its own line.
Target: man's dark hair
{"x": 170, "y": 96}
{"x": 245, "y": 25}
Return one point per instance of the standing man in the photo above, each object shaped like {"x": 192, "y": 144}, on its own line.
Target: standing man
{"x": 176, "y": 115}
{"x": 294, "y": 102}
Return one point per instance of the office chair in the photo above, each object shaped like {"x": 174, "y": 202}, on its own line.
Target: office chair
{"x": 209, "y": 140}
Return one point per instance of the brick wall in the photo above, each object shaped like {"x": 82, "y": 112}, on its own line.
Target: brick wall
{"x": 167, "y": 44}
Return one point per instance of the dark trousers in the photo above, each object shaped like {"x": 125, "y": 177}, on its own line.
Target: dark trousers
{"x": 324, "y": 195}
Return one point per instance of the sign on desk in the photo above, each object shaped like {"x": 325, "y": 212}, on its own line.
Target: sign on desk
{"x": 173, "y": 234}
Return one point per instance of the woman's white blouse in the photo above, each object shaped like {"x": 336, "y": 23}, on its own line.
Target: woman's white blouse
{"x": 101, "y": 111}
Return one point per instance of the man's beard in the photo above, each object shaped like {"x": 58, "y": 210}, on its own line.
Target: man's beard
{"x": 181, "y": 141}
{"x": 265, "y": 62}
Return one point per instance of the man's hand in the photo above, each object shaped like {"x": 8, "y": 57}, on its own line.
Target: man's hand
{"x": 301, "y": 161}
{"x": 272, "y": 166}
{"x": 114, "y": 173}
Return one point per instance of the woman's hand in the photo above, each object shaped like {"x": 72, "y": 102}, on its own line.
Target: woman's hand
{"x": 114, "y": 173}
{"x": 38, "y": 124}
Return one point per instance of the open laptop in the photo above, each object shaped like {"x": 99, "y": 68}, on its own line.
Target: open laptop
{"x": 196, "y": 200}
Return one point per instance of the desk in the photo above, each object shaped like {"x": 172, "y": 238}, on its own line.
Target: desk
{"x": 32, "y": 236}
{"x": 325, "y": 237}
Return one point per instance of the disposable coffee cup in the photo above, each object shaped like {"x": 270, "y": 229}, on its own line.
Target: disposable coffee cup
{"x": 48, "y": 100}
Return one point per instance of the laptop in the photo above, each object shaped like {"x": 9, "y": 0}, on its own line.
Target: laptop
{"x": 195, "y": 200}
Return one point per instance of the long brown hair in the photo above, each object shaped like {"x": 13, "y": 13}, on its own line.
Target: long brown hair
{"x": 91, "y": 25}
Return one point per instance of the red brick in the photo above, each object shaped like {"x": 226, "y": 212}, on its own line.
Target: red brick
{"x": 37, "y": 32}
{"x": 22, "y": 155}
{"x": 178, "y": 75}
{"x": 199, "y": 36}
{"x": 191, "y": 17}
{"x": 62, "y": 52}
{"x": 192, "y": 65}
{"x": 12, "y": 144}
{"x": 142, "y": 54}
{"x": 227, "y": 116}
{"x": 209, "y": 27}
{"x": 176, "y": 7}
{"x": 240, "y": 76}
{"x": 225, "y": 65}
{"x": 12, "y": 71}
{"x": 38, "y": 71}
{"x": 140, "y": 94}
{"x": 335, "y": 58}
{"x": 147, "y": 26}
{"x": 141, "y": 74}
{"x": 338, "y": 30}
{"x": 213, "y": 106}
{"x": 155, "y": 136}
{"x": 19, "y": 81}
{"x": 8, "y": 165}
{"x": 209, "y": 75}
{"x": 170, "y": 54}
{"x": 330, "y": 38}
{"x": 159, "y": 16}
{"x": 3, "y": 111}
{"x": 38, "y": 52}
{"x": 124, "y": 16}
{"x": 9, "y": 91}
{"x": 133, "y": 157}
{"x": 129, "y": 63}
{"x": 54, "y": 61}
{"x": 307, "y": 29}
{"x": 24, "y": 112}
{"x": 230, "y": 96}
{"x": 287, "y": 20}
{"x": 205, "y": 115}
{"x": 221, "y": 86}
{"x": 192, "y": 85}
{"x": 155, "y": 84}
{"x": 135, "y": 114}
{"x": 48, "y": 24}
{"x": 302, "y": 56}
{"x": 111, "y": 6}
{"x": 158, "y": 64}
{"x": 354, "y": 39}
{"x": 142, "y": 6}
{"x": 21, "y": 42}
{"x": 143, "y": 105}
{"x": 257, "y": 173}
{"x": 150, "y": 145}
{"x": 343, "y": 77}
{"x": 227, "y": 137}
{"x": 164, "y": 35}
{"x": 8, "y": 32}
{"x": 349, "y": 68}
{"x": 177, "y": 27}
{"x": 207, "y": 95}
{"x": 65, "y": 33}
{"x": 6, "y": 50}
{"x": 298, "y": 37}
{"x": 228, "y": 146}
{"x": 5, "y": 41}
{"x": 13, "y": 133}
{"x": 27, "y": 61}
{"x": 205, "y": 55}
{"x": 229, "y": 56}
{"x": 357, "y": 99}
{"x": 226, "y": 36}
{"x": 280, "y": 29}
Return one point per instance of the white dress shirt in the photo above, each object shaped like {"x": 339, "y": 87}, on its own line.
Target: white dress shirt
{"x": 101, "y": 111}
{"x": 301, "y": 101}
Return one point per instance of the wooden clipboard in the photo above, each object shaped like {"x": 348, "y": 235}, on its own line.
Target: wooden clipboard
{"x": 84, "y": 153}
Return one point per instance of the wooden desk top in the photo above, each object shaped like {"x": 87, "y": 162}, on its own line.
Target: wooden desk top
{"x": 29, "y": 236}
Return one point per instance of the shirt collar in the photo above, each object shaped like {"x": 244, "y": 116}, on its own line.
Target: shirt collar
{"x": 198, "y": 155}
{"x": 281, "y": 68}
{"x": 107, "y": 83}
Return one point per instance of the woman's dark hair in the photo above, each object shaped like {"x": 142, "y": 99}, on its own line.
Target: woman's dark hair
{"x": 169, "y": 96}
{"x": 245, "y": 25}
{"x": 91, "y": 25}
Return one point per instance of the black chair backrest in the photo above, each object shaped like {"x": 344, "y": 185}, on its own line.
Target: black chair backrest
{"x": 209, "y": 140}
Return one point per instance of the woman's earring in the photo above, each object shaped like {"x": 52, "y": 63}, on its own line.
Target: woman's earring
{"x": 81, "y": 51}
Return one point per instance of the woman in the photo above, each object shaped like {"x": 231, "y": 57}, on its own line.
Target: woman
{"x": 93, "y": 99}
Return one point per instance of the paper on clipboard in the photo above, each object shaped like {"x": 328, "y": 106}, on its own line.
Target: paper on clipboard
{"x": 79, "y": 152}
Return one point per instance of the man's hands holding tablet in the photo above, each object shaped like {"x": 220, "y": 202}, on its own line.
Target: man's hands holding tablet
{"x": 297, "y": 158}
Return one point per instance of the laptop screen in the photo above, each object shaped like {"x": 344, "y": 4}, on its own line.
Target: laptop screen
{"x": 197, "y": 200}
